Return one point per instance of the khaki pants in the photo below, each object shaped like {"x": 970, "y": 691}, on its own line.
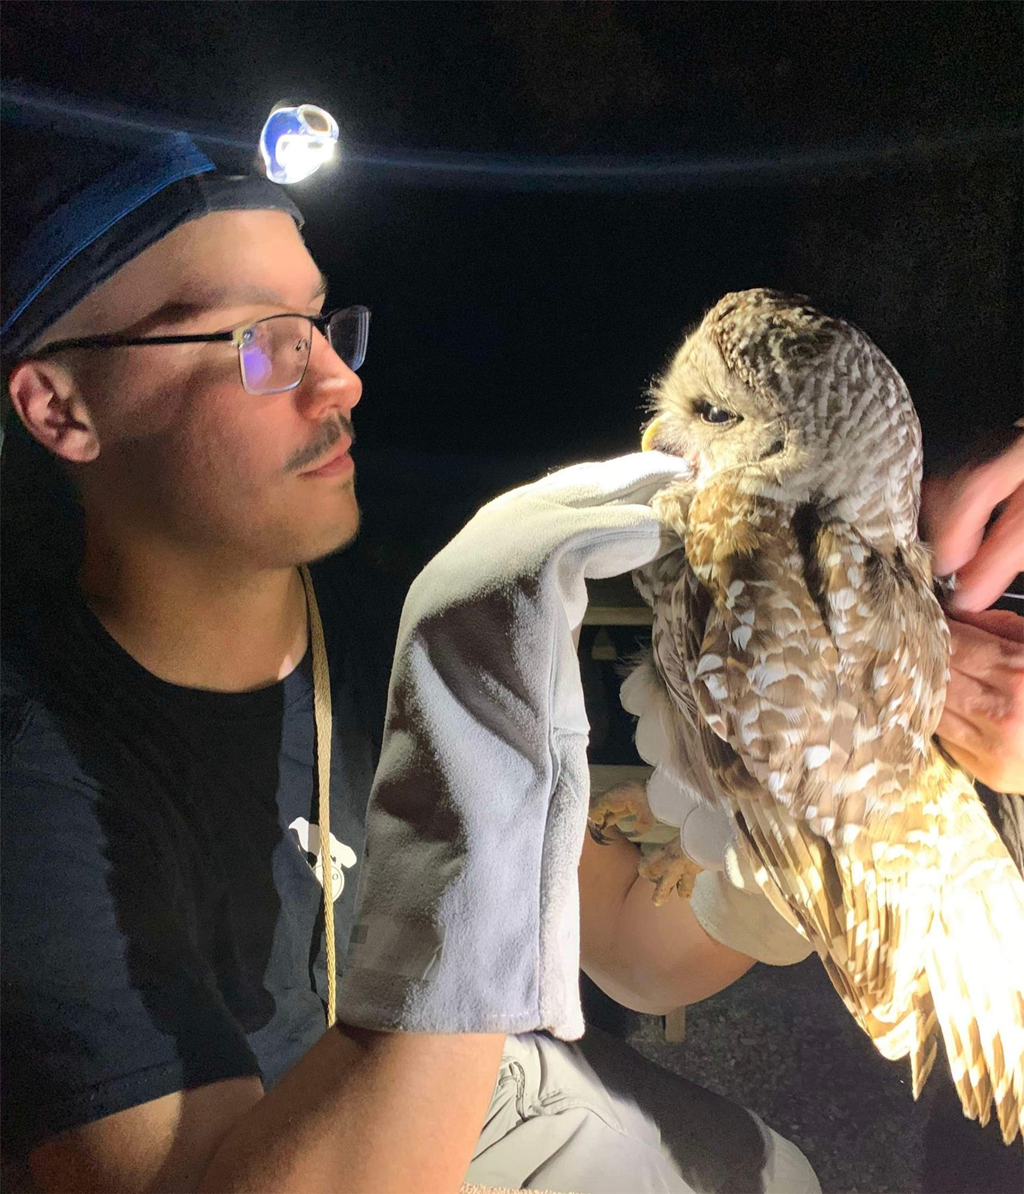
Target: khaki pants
{"x": 597, "y": 1118}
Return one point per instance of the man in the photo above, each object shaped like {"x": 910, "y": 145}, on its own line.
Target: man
{"x": 165, "y": 969}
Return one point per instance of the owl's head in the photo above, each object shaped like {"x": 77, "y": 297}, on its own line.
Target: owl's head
{"x": 787, "y": 398}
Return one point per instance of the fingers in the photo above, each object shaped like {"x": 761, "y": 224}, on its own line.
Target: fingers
{"x": 972, "y": 763}
{"x": 1002, "y": 622}
{"x": 955, "y": 510}
{"x": 999, "y": 774}
{"x": 993, "y": 662}
{"x": 972, "y": 714}
{"x": 1000, "y": 769}
{"x": 952, "y": 523}
{"x": 960, "y": 737}
{"x": 982, "y": 724}
{"x": 995, "y": 563}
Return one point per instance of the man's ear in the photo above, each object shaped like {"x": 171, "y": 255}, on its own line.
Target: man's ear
{"x": 47, "y": 401}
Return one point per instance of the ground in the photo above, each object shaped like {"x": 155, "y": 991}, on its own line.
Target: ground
{"x": 780, "y": 1042}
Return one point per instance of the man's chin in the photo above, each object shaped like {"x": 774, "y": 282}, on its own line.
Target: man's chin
{"x": 337, "y": 538}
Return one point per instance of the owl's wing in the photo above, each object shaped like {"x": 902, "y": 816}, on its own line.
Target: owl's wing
{"x": 788, "y": 727}
{"x": 819, "y": 662}
{"x": 708, "y": 764}
{"x": 760, "y": 663}
{"x": 819, "y": 676}
{"x": 659, "y": 693}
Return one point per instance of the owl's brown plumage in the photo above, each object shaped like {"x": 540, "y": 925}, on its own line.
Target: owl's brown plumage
{"x": 806, "y": 658}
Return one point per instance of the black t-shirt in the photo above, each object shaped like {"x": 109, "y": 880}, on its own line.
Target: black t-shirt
{"x": 162, "y": 919}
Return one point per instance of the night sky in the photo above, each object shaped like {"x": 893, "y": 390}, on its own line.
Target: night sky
{"x": 516, "y": 324}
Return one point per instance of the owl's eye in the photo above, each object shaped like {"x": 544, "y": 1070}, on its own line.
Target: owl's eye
{"x": 716, "y": 414}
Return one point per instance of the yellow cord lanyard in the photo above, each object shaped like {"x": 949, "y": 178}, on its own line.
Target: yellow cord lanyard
{"x": 322, "y": 717}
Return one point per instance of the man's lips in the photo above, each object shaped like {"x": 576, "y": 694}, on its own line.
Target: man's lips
{"x": 338, "y": 462}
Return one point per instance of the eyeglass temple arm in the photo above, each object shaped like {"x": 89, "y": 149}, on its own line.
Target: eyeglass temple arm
{"x": 127, "y": 342}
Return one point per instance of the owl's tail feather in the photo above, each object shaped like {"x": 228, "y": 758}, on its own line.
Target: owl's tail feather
{"x": 794, "y": 853}
{"x": 914, "y": 948}
{"x": 925, "y": 1044}
{"x": 861, "y": 955}
{"x": 889, "y": 996}
{"x": 948, "y": 958}
{"x": 974, "y": 960}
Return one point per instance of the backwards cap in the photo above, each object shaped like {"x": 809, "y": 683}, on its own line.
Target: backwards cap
{"x": 76, "y": 208}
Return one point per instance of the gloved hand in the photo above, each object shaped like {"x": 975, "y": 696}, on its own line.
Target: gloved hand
{"x": 468, "y": 914}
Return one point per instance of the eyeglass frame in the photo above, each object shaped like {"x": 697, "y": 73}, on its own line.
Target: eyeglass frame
{"x": 320, "y": 322}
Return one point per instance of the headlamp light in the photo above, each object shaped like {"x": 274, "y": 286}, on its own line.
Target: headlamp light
{"x": 296, "y": 141}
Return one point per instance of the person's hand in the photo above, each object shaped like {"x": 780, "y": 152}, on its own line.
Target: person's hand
{"x": 982, "y": 725}
{"x": 954, "y": 514}
{"x": 468, "y": 917}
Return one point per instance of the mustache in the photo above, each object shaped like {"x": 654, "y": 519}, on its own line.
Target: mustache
{"x": 330, "y": 434}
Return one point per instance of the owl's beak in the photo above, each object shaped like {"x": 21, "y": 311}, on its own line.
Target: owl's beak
{"x": 647, "y": 443}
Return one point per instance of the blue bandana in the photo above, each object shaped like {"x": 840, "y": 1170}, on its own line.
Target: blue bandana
{"x": 76, "y": 210}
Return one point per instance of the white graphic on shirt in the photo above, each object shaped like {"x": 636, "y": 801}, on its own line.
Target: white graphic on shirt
{"x": 308, "y": 837}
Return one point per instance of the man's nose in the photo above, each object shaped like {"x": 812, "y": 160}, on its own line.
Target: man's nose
{"x": 329, "y": 383}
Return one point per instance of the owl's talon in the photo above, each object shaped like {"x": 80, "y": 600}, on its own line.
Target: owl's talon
{"x": 670, "y": 869}
{"x": 627, "y": 802}
{"x": 596, "y": 834}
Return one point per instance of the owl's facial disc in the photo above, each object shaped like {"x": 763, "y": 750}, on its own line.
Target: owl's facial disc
{"x": 707, "y": 416}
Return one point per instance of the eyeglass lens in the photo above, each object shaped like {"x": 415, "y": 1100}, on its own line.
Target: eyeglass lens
{"x": 275, "y": 351}
{"x": 348, "y": 332}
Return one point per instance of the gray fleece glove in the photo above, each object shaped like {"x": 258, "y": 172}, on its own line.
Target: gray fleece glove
{"x": 468, "y": 914}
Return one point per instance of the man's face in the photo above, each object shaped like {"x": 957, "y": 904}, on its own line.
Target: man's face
{"x": 186, "y": 455}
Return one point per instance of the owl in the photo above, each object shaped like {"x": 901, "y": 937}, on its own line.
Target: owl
{"x": 804, "y": 659}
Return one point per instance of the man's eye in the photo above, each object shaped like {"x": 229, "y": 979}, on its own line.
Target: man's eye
{"x": 716, "y": 414}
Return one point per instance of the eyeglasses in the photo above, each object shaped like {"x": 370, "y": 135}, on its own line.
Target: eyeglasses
{"x": 272, "y": 352}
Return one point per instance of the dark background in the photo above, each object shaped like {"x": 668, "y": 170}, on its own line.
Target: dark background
{"x": 867, "y": 155}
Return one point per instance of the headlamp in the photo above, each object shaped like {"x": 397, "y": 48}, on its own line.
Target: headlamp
{"x": 296, "y": 141}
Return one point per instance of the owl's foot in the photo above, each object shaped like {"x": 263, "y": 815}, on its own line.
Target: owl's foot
{"x": 624, "y": 807}
{"x": 670, "y": 870}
